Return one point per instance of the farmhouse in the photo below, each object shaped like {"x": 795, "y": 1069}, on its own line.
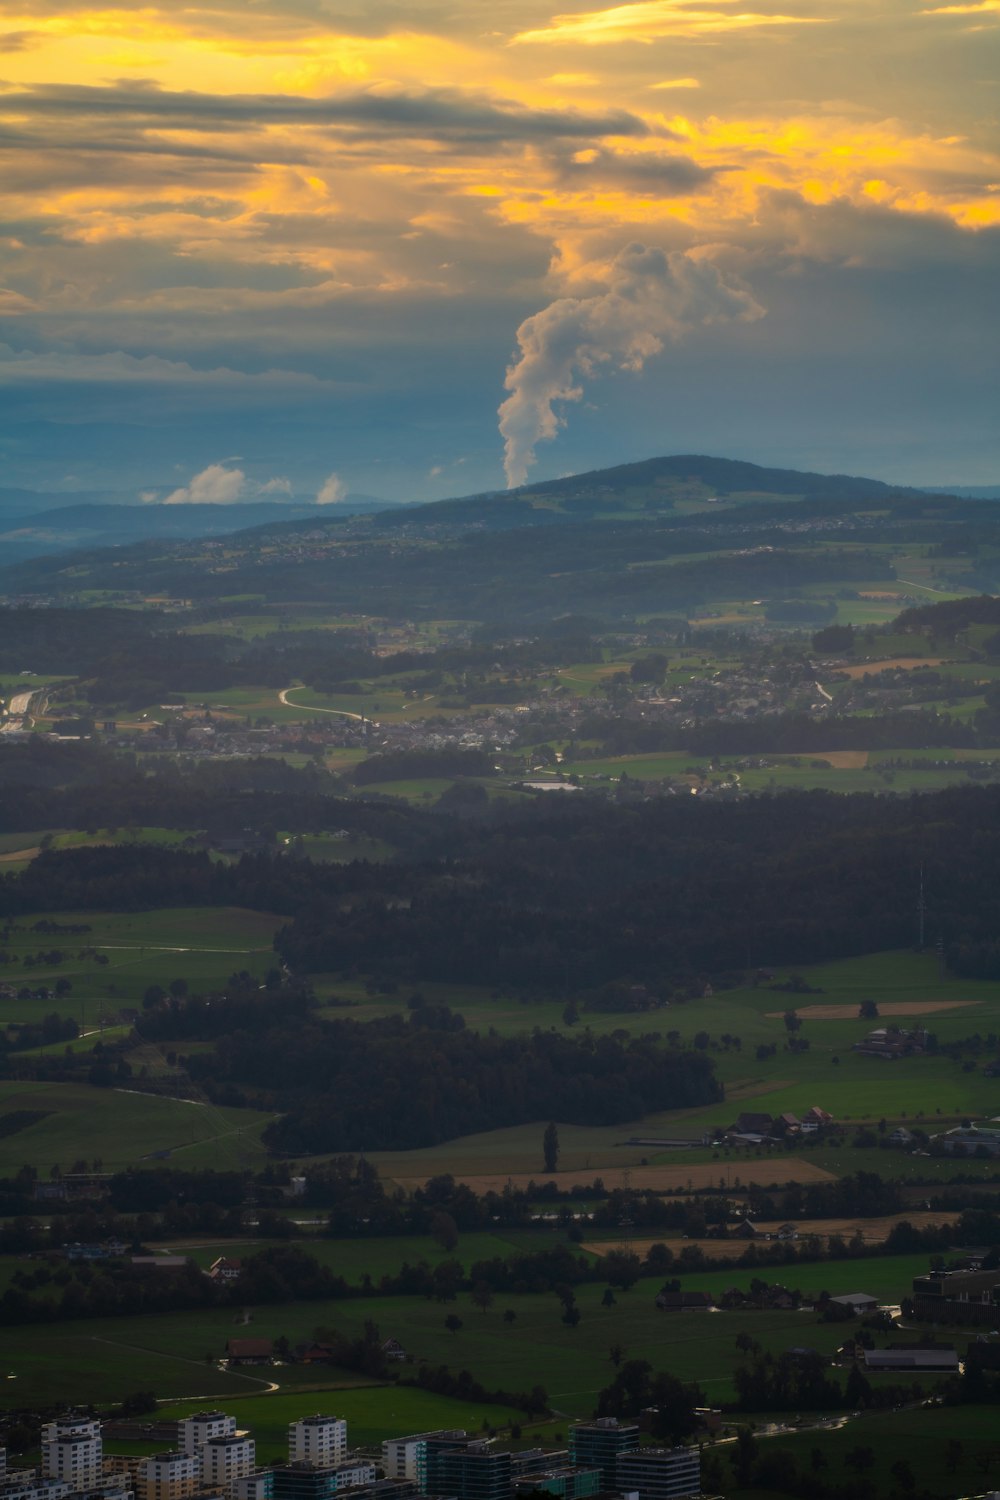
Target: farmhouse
{"x": 250, "y": 1351}
{"x": 815, "y": 1119}
{"x": 393, "y": 1349}
{"x": 684, "y": 1301}
{"x": 225, "y": 1269}
{"x": 890, "y": 1043}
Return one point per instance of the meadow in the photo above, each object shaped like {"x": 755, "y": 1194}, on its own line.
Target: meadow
{"x": 119, "y": 1128}
{"x": 572, "y": 1364}
{"x": 917, "y": 1436}
{"x": 203, "y": 945}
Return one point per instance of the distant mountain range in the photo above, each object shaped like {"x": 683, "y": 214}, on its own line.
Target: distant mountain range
{"x": 560, "y": 545}
{"x": 33, "y": 524}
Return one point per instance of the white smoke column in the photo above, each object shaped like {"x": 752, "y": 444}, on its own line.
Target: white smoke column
{"x": 652, "y": 297}
{"x": 332, "y": 491}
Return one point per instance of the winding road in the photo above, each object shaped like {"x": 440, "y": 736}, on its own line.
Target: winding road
{"x": 313, "y": 708}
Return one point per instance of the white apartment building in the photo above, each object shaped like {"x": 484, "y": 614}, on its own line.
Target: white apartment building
{"x": 196, "y": 1431}
{"x": 169, "y": 1476}
{"x": 226, "y": 1460}
{"x": 73, "y": 1452}
{"x": 320, "y": 1441}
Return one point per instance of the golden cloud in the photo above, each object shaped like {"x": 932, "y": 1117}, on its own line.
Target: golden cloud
{"x": 649, "y": 20}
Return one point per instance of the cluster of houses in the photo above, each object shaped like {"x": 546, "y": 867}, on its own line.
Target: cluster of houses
{"x": 753, "y": 1128}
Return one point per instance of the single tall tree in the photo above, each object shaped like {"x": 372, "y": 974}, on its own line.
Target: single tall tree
{"x": 550, "y": 1147}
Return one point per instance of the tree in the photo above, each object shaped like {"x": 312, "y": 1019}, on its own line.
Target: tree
{"x": 792, "y": 1021}
{"x": 510, "y": 1316}
{"x": 453, "y": 1323}
{"x": 616, "y": 1354}
{"x": 622, "y": 1268}
{"x": 743, "y": 1455}
{"x": 444, "y": 1230}
{"x": 482, "y": 1296}
{"x": 904, "y": 1476}
{"x": 868, "y": 1011}
{"x": 953, "y": 1455}
{"x": 609, "y": 1299}
{"x": 550, "y": 1147}
{"x": 860, "y": 1459}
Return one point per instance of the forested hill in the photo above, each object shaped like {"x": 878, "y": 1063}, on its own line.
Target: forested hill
{"x": 651, "y": 485}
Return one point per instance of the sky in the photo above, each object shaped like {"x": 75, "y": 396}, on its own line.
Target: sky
{"x": 411, "y": 248}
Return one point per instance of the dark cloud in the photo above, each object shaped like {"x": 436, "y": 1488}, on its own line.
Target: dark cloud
{"x": 432, "y": 112}
{"x": 659, "y": 173}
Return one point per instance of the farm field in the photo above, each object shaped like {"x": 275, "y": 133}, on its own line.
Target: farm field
{"x": 571, "y": 1363}
{"x": 872, "y": 1231}
{"x": 77, "y": 1121}
{"x": 659, "y": 1178}
{"x": 203, "y": 945}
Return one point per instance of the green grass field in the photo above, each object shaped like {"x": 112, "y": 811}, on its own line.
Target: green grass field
{"x": 118, "y": 1128}
{"x": 919, "y": 1437}
{"x": 571, "y": 1363}
{"x": 203, "y": 945}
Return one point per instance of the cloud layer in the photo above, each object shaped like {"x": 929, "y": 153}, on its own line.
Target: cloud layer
{"x": 314, "y": 238}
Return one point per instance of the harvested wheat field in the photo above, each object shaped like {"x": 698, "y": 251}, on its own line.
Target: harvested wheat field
{"x": 889, "y": 1008}
{"x": 873, "y": 1231}
{"x": 778, "y": 1169}
{"x": 842, "y": 760}
{"x": 904, "y": 663}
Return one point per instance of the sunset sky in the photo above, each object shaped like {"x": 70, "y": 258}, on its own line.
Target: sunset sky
{"x": 290, "y": 239}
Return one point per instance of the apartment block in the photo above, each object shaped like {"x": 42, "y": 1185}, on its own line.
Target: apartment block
{"x": 226, "y": 1460}
{"x": 194, "y": 1432}
{"x": 73, "y": 1452}
{"x": 320, "y": 1441}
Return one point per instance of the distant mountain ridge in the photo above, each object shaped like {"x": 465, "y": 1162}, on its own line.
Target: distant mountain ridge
{"x": 579, "y": 537}
{"x": 92, "y": 523}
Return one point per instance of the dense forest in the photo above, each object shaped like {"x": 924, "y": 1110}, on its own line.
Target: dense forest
{"x": 561, "y": 898}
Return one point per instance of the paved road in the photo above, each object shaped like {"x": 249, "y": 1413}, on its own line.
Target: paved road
{"x": 314, "y": 709}
{"x": 17, "y": 712}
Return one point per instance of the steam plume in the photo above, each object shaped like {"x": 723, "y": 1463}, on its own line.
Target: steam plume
{"x": 652, "y": 297}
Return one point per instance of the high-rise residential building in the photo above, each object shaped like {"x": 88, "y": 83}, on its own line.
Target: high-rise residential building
{"x": 464, "y": 1467}
{"x": 399, "y": 1455}
{"x": 196, "y": 1431}
{"x": 660, "y": 1473}
{"x": 227, "y": 1459}
{"x": 72, "y": 1451}
{"x": 598, "y": 1445}
{"x": 169, "y": 1476}
{"x": 320, "y": 1441}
